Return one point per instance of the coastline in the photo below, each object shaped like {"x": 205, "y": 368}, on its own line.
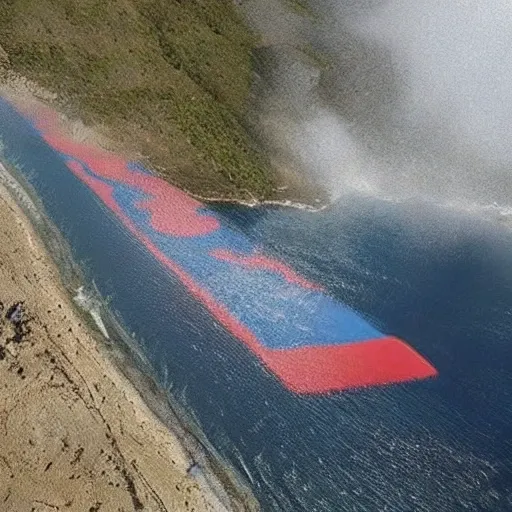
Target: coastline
{"x": 284, "y": 203}
{"x": 88, "y": 384}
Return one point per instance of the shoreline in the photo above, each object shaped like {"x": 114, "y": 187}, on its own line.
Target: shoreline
{"x": 217, "y": 484}
{"x": 284, "y": 203}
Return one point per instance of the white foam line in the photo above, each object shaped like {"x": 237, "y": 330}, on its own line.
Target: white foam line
{"x": 12, "y": 184}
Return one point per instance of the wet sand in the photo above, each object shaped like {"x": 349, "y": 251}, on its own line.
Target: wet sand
{"x": 75, "y": 434}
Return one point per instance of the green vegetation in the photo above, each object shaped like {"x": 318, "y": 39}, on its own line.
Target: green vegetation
{"x": 301, "y": 7}
{"x": 168, "y": 78}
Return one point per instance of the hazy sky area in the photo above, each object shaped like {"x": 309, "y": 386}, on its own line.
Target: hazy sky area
{"x": 416, "y": 98}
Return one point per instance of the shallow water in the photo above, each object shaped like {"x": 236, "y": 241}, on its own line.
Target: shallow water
{"x": 441, "y": 281}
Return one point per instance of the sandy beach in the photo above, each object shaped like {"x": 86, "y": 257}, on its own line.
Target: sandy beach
{"x": 75, "y": 433}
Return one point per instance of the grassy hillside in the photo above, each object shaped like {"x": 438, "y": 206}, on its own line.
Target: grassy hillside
{"x": 169, "y": 78}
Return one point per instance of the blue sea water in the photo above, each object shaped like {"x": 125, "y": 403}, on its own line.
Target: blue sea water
{"x": 439, "y": 280}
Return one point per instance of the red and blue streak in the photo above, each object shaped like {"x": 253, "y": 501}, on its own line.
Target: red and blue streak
{"x": 308, "y": 340}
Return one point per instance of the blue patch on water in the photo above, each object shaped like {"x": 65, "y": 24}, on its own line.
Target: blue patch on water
{"x": 281, "y": 314}
{"x": 137, "y": 167}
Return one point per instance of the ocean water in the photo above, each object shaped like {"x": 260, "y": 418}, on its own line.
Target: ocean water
{"x": 440, "y": 280}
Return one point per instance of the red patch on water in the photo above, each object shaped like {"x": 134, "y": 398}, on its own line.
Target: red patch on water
{"x": 172, "y": 212}
{"x": 260, "y": 262}
{"x": 100, "y": 188}
{"x": 317, "y": 369}
{"x": 321, "y": 369}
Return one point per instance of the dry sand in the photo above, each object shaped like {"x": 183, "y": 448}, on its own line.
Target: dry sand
{"x": 75, "y": 434}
